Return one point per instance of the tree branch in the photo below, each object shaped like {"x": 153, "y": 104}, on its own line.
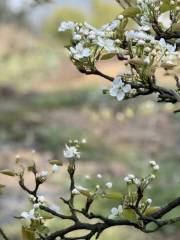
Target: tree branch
{"x": 3, "y": 234}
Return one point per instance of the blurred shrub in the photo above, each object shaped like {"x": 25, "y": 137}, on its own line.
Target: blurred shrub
{"x": 59, "y": 15}
{"x": 100, "y": 13}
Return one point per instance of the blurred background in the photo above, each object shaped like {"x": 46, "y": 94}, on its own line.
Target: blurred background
{"x": 44, "y": 101}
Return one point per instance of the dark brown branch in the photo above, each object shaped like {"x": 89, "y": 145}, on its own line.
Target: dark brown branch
{"x": 166, "y": 209}
{"x": 165, "y": 94}
{"x": 3, "y": 234}
{"x": 54, "y": 213}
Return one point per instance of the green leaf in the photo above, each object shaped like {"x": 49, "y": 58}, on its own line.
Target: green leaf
{"x": 45, "y": 215}
{"x": 114, "y": 196}
{"x": 57, "y": 162}
{"x": 27, "y": 234}
{"x": 131, "y": 12}
{"x": 8, "y": 172}
{"x": 129, "y": 214}
{"x": 176, "y": 27}
{"x": 151, "y": 210}
{"x": 108, "y": 56}
{"x": 166, "y": 6}
{"x": 2, "y": 186}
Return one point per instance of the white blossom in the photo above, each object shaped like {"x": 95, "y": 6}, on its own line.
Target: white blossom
{"x": 80, "y": 188}
{"x": 84, "y": 140}
{"x": 152, "y": 163}
{"x": 115, "y": 212}
{"x": 79, "y": 51}
{"x": 64, "y": 26}
{"x": 36, "y": 205}
{"x": 137, "y": 35}
{"x": 55, "y": 168}
{"x": 149, "y": 201}
{"x": 109, "y": 184}
{"x": 28, "y": 215}
{"x": 165, "y": 20}
{"x": 119, "y": 89}
{"x": 77, "y": 37}
{"x": 43, "y": 174}
{"x": 71, "y": 152}
{"x": 170, "y": 48}
{"x": 99, "y": 176}
{"x": 41, "y": 199}
{"x": 107, "y": 44}
{"x": 75, "y": 192}
{"x": 111, "y": 26}
{"x": 156, "y": 167}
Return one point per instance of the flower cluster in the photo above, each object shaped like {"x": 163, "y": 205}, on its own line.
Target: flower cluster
{"x": 88, "y": 41}
{"x": 151, "y": 9}
{"x": 35, "y": 213}
{"x": 115, "y": 212}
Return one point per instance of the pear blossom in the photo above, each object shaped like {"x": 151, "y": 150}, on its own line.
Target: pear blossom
{"x": 111, "y": 26}
{"x": 64, "y": 26}
{"x": 152, "y": 176}
{"x": 75, "y": 192}
{"x": 79, "y": 51}
{"x": 107, "y": 44}
{"x": 165, "y": 20}
{"x": 156, "y": 167}
{"x": 138, "y": 35}
{"x": 130, "y": 178}
{"x": 99, "y": 176}
{"x": 152, "y": 163}
{"x": 28, "y": 215}
{"x": 36, "y": 205}
{"x": 80, "y": 188}
{"x": 170, "y": 48}
{"x": 77, "y": 37}
{"x": 116, "y": 212}
{"x": 84, "y": 140}
{"x": 41, "y": 199}
{"x": 109, "y": 184}
{"x": 119, "y": 89}
{"x": 55, "y": 168}
{"x": 71, "y": 152}
{"x": 43, "y": 174}
{"x": 149, "y": 201}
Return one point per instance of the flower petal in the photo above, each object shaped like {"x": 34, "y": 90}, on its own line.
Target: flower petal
{"x": 113, "y": 91}
{"x": 127, "y": 88}
{"x": 120, "y": 95}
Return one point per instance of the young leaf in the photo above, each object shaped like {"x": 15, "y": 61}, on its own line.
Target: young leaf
{"x": 166, "y": 6}
{"x": 131, "y": 12}
{"x": 27, "y": 234}
{"x": 45, "y": 215}
{"x": 57, "y": 162}
{"x": 114, "y": 196}
{"x": 108, "y": 56}
{"x": 8, "y": 172}
{"x": 129, "y": 214}
{"x": 151, "y": 210}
